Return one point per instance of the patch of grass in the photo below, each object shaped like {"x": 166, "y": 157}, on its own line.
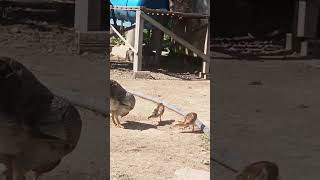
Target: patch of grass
{"x": 123, "y": 176}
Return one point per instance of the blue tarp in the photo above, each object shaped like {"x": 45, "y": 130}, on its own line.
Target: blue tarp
{"x": 127, "y": 18}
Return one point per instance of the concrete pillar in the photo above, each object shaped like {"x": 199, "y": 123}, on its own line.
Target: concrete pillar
{"x": 90, "y": 15}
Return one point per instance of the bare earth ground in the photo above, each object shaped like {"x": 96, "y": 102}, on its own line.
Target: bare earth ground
{"x": 143, "y": 150}
{"x": 50, "y": 56}
{"x": 274, "y": 118}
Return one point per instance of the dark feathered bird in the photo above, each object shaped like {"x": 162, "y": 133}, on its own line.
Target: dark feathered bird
{"x": 121, "y": 102}
{"x": 37, "y": 128}
{"x": 262, "y": 170}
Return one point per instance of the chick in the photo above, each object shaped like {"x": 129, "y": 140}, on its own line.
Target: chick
{"x": 262, "y": 170}
{"x": 121, "y": 102}
{"x": 157, "y": 112}
{"x": 189, "y": 119}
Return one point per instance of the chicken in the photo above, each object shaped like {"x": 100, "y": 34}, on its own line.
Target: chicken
{"x": 157, "y": 112}
{"x": 37, "y": 128}
{"x": 121, "y": 102}
{"x": 189, "y": 119}
{"x": 262, "y": 170}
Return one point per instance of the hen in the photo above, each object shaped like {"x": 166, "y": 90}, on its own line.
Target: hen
{"x": 121, "y": 102}
{"x": 157, "y": 112}
{"x": 37, "y": 128}
{"x": 189, "y": 119}
{"x": 262, "y": 170}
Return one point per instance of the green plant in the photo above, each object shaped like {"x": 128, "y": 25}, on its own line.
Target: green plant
{"x": 115, "y": 41}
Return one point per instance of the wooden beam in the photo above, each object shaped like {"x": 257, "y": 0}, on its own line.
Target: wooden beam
{"x": 123, "y": 31}
{"x": 138, "y": 40}
{"x": 123, "y": 39}
{"x": 175, "y": 37}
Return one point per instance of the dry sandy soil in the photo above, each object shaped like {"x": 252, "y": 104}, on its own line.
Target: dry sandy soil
{"x": 145, "y": 150}
{"x": 267, "y": 111}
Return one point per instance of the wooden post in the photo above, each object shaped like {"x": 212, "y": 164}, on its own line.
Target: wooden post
{"x": 302, "y": 5}
{"x": 157, "y": 37}
{"x": 88, "y": 15}
{"x": 289, "y": 41}
{"x": 205, "y": 64}
{"x": 137, "y": 59}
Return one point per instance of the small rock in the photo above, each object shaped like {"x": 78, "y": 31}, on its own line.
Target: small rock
{"x": 205, "y": 162}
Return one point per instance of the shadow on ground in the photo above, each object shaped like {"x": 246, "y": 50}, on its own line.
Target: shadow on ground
{"x": 194, "y": 132}
{"x": 133, "y": 125}
{"x": 165, "y": 122}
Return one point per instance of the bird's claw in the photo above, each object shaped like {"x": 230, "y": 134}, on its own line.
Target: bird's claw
{"x": 119, "y": 126}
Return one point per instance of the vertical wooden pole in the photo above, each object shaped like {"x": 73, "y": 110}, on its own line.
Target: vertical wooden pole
{"x": 157, "y": 37}
{"x": 137, "y": 59}
{"x": 302, "y": 5}
{"x": 206, "y": 65}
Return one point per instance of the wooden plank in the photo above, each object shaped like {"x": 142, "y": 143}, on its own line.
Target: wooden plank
{"x": 137, "y": 59}
{"x": 126, "y": 43}
{"x": 160, "y": 12}
{"x": 122, "y": 31}
{"x": 175, "y": 37}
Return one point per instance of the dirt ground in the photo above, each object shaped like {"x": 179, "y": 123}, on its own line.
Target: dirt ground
{"x": 144, "y": 150}
{"x": 267, "y": 111}
{"x": 49, "y": 52}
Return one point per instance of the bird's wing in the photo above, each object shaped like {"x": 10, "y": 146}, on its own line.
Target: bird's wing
{"x": 62, "y": 122}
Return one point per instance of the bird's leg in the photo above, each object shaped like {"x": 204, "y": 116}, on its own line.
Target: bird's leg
{"x": 160, "y": 118}
{"x": 114, "y": 122}
{"x": 118, "y": 122}
{"x": 193, "y": 127}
